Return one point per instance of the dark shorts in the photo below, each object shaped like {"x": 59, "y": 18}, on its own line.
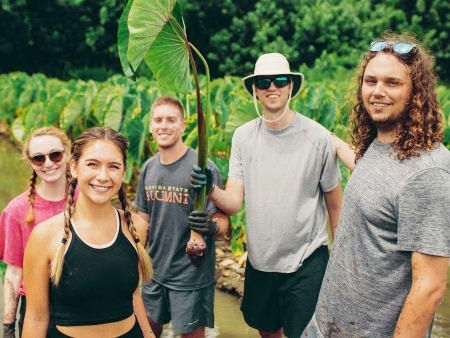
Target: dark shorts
{"x": 22, "y": 309}
{"x": 187, "y": 309}
{"x": 275, "y": 300}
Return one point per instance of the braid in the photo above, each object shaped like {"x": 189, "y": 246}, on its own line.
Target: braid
{"x": 68, "y": 179}
{"x": 144, "y": 259}
{"x": 57, "y": 264}
{"x": 31, "y": 196}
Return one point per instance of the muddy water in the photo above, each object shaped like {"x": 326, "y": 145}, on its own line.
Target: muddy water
{"x": 229, "y": 322}
{"x": 14, "y": 175}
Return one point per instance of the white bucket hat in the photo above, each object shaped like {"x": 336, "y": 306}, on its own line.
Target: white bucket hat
{"x": 273, "y": 64}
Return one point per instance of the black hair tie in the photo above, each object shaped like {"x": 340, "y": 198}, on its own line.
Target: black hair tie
{"x": 64, "y": 240}
{"x": 137, "y": 240}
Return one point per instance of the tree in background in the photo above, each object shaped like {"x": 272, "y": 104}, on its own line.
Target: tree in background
{"x": 56, "y": 36}
{"x": 60, "y": 37}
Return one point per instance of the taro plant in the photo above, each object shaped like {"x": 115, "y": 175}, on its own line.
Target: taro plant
{"x": 154, "y": 31}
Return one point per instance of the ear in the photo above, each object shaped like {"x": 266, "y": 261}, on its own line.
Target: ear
{"x": 73, "y": 169}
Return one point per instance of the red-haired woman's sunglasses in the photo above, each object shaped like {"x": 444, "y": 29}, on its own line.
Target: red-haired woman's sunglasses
{"x": 55, "y": 157}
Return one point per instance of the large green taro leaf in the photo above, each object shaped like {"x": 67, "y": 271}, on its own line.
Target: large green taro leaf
{"x": 113, "y": 113}
{"x": 169, "y": 60}
{"x": 157, "y": 33}
{"x": 72, "y": 111}
{"x": 55, "y": 106}
{"x": 122, "y": 38}
{"x": 146, "y": 19}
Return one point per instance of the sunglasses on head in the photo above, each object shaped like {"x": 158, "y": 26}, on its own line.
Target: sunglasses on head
{"x": 279, "y": 82}
{"x": 397, "y": 47}
{"x": 55, "y": 157}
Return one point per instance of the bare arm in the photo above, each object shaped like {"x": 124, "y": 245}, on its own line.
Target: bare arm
{"x": 333, "y": 201}
{"x": 141, "y": 225}
{"x": 222, "y": 221}
{"x": 345, "y": 153}
{"x": 13, "y": 279}
{"x": 146, "y": 217}
{"x": 429, "y": 274}
{"x": 141, "y": 315}
{"x": 229, "y": 200}
{"x": 36, "y": 278}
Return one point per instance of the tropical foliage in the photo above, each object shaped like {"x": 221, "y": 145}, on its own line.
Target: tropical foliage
{"x": 77, "y": 38}
{"x": 28, "y": 102}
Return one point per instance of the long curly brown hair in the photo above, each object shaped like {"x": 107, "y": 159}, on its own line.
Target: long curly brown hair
{"x": 421, "y": 125}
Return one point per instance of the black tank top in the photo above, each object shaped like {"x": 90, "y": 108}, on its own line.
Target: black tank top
{"x": 97, "y": 284}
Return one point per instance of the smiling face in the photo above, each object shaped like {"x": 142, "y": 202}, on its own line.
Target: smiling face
{"x": 167, "y": 125}
{"x": 100, "y": 171}
{"x": 49, "y": 171}
{"x": 386, "y": 91}
{"x": 274, "y": 99}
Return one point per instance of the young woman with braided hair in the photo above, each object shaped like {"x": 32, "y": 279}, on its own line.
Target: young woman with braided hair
{"x": 93, "y": 250}
{"x": 47, "y": 151}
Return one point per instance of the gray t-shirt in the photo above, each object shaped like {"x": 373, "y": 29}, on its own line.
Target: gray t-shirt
{"x": 390, "y": 210}
{"x": 285, "y": 173}
{"x": 164, "y": 194}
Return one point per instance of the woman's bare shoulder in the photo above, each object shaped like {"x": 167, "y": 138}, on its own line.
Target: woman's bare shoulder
{"x": 46, "y": 238}
{"x": 50, "y": 228}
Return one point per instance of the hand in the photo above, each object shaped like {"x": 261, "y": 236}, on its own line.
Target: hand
{"x": 201, "y": 222}
{"x": 9, "y": 330}
{"x": 199, "y": 180}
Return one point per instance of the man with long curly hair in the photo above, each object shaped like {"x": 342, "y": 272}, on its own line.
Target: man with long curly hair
{"x": 388, "y": 267}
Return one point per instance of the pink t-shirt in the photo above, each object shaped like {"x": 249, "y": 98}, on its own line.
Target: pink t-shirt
{"x": 14, "y": 232}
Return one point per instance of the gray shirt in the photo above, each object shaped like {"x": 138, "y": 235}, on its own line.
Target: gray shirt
{"x": 390, "y": 210}
{"x": 285, "y": 173}
{"x": 164, "y": 194}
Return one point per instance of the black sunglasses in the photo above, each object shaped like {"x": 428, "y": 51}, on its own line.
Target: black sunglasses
{"x": 55, "y": 157}
{"x": 279, "y": 82}
{"x": 397, "y": 47}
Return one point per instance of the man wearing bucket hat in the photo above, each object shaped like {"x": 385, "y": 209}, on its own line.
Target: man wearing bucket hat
{"x": 285, "y": 165}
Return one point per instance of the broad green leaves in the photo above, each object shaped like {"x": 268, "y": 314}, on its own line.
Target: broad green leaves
{"x": 154, "y": 31}
{"x": 122, "y": 38}
{"x": 146, "y": 20}
{"x": 169, "y": 60}
{"x": 124, "y": 105}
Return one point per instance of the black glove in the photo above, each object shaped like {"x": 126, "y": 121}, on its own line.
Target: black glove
{"x": 199, "y": 180}
{"x": 9, "y": 330}
{"x": 201, "y": 222}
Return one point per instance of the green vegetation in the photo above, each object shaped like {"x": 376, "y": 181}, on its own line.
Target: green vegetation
{"x": 28, "y": 102}
{"x": 66, "y": 38}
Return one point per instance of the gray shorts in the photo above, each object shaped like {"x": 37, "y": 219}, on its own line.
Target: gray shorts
{"x": 188, "y": 309}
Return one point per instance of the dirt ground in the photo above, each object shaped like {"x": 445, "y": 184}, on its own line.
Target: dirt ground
{"x": 229, "y": 274}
